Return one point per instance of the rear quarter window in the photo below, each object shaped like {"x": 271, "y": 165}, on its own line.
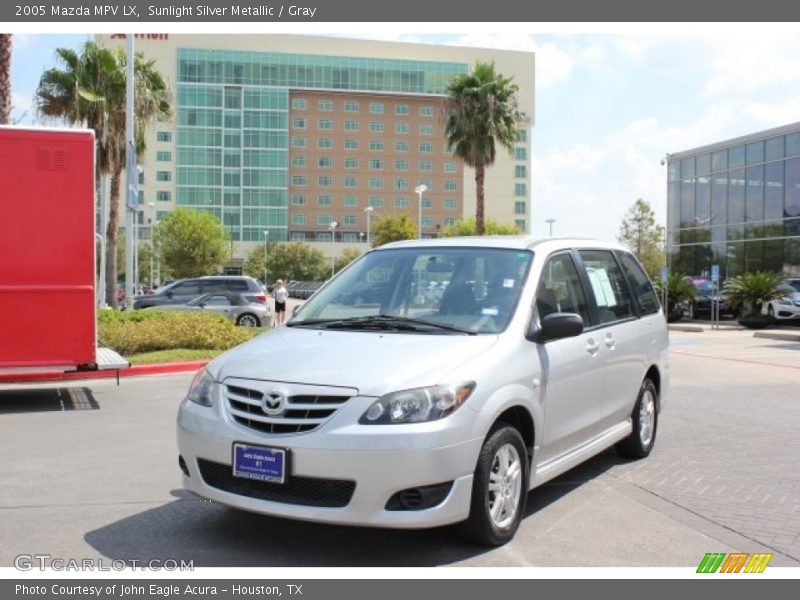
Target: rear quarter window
{"x": 643, "y": 292}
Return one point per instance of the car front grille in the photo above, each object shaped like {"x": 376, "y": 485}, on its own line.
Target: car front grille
{"x": 301, "y": 412}
{"x": 303, "y": 491}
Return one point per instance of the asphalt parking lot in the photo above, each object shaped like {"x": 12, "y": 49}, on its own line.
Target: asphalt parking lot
{"x": 89, "y": 471}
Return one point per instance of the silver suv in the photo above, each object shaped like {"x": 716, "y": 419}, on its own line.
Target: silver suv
{"x": 183, "y": 290}
{"x": 402, "y": 408}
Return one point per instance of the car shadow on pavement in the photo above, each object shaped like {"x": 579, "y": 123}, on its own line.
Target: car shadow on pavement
{"x": 17, "y": 401}
{"x": 212, "y": 535}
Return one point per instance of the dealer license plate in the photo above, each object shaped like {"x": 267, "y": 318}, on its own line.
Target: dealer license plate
{"x": 259, "y": 462}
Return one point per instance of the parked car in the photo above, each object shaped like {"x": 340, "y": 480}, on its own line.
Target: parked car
{"x": 183, "y": 290}
{"x": 786, "y": 308}
{"x": 537, "y": 356}
{"x": 242, "y": 308}
{"x": 706, "y": 295}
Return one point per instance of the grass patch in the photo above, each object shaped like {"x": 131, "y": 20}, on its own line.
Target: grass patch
{"x": 169, "y": 356}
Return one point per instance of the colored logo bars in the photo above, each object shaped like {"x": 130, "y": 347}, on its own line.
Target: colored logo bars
{"x": 716, "y": 562}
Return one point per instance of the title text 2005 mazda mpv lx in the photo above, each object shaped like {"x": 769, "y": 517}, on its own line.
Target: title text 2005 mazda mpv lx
{"x": 434, "y": 382}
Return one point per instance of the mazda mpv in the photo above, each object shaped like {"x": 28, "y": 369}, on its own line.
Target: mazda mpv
{"x": 408, "y": 409}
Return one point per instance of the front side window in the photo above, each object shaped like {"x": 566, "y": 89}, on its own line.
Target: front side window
{"x": 560, "y": 289}
{"x": 607, "y": 286}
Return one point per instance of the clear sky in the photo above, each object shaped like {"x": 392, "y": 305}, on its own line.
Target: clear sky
{"x": 609, "y": 106}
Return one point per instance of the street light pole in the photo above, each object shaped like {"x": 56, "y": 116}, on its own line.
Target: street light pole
{"x": 420, "y": 189}
{"x": 369, "y": 210}
{"x": 550, "y": 222}
{"x": 152, "y": 242}
{"x": 266, "y": 239}
{"x": 333, "y": 227}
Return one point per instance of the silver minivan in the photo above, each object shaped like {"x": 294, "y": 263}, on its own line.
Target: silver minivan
{"x": 381, "y": 403}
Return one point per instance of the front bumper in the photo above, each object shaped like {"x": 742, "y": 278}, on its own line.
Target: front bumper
{"x": 348, "y": 471}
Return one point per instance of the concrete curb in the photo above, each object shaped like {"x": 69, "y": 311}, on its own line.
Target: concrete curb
{"x": 687, "y": 328}
{"x": 786, "y": 337}
{"x": 134, "y": 371}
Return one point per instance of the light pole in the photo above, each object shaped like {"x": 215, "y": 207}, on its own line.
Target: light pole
{"x": 333, "y": 227}
{"x": 266, "y": 238}
{"x": 550, "y": 222}
{"x": 420, "y": 189}
{"x": 369, "y": 210}
{"x": 152, "y": 206}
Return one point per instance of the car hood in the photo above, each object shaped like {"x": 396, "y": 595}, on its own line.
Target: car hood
{"x": 374, "y": 363}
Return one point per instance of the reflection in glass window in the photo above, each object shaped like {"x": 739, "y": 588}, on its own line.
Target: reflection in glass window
{"x": 736, "y": 157}
{"x": 608, "y": 285}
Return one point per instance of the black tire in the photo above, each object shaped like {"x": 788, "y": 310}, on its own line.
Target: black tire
{"x": 247, "y": 320}
{"x": 503, "y": 443}
{"x": 771, "y": 313}
{"x": 642, "y": 439}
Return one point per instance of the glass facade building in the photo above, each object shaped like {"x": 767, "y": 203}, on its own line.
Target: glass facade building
{"x": 736, "y": 204}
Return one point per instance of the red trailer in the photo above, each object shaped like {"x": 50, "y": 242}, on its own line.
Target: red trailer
{"x": 48, "y": 301}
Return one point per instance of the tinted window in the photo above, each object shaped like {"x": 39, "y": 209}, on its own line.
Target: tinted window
{"x": 225, "y": 285}
{"x": 608, "y": 285}
{"x": 641, "y": 286}
{"x": 560, "y": 289}
{"x": 218, "y": 301}
{"x": 186, "y": 288}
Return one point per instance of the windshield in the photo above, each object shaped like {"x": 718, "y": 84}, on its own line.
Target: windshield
{"x": 424, "y": 290}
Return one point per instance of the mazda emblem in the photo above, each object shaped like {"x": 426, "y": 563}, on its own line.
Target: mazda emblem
{"x": 273, "y": 403}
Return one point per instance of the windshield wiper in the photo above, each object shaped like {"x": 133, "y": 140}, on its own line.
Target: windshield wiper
{"x": 383, "y": 322}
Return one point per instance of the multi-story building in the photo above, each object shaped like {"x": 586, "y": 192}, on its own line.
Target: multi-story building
{"x": 736, "y": 204}
{"x": 280, "y": 136}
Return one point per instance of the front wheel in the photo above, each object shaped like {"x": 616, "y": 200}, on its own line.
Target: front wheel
{"x": 645, "y": 423}
{"x": 499, "y": 488}
{"x": 247, "y": 320}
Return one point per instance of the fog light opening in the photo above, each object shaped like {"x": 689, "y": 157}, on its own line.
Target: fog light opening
{"x": 419, "y": 498}
{"x": 182, "y": 465}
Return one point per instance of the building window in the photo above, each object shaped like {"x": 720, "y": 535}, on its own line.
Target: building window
{"x": 323, "y": 219}
{"x": 162, "y": 156}
{"x": 298, "y": 219}
{"x": 351, "y": 125}
{"x": 324, "y": 181}
{"x": 299, "y": 180}
{"x": 376, "y": 145}
{"x": 450, "y": 204}
{"x": 426, "y": 147}
{"x": 322, "y": 236}
{"x": 376, "y": 164}
{"x": 376, "y": 108}
{"x": 449, "y": 221}
{"x": 376, "y": 202}
{"x": 325, "y": 105}
{"x": 519, "y": 208}
{"x": 299, "y": 161}
{"x": 350, "y": 163}
{"x": 519, "y": 224}
{"x": 299, "y": 141}
{"x": 425, "y": 111}
{"x": 427, "y": 203}
{"x": 299, "y": 123}
{"x": 401, "y": 146}
{"x": 324, "y": 143}
{"x": 324, "y": 162}
{"x": 522, "y": 135}
{"x": 426, "y": 129}
{"x": 164, "y": 196}
{"x": 351, "y": 144}
{"x": 450, "y": 167}
{"x": 141, "y": 177}
{"x": 163, "y": 175}
{"x": 351, "y": 107}
{"x": 450, "y": 185}
{"x": 520, "y": 171}
{"x": 297, "y": 236}
{"x": 164, "y": 136}
{"x": 401, "y": 184}
{"x": 376, "y": 126}
{"x": 401, "y": 128}
{"x": 427, "y": 222}
{"x": 520, "y": 189}
{"x": 425, "y": 166}
{"x": 299, "y": 103}
{"x": 401, "y": 202}
{"x": 401, "y": 109}
{"x": 350, "y": 220}
{"x": 324, "y": 200}
{"x": 350, "y": 201}
{"x": 325, "y": 124}
{"x": 350, "y": 181}
{"x": 298, "y": 199}
{"x": 401, "y": 165}
{"x": 376, "y": 183}
{"x": 521, "y": 153}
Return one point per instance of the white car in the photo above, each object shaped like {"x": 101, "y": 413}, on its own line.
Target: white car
{"x": 786, "y": 308}
{"x": 537, "y": 356}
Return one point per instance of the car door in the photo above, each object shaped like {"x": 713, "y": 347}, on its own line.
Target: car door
{"x": 619, "y": 331}
{"x": 572, "y": 368}
{"x": 183, "y": 292}
{"x": 219, "y": 303}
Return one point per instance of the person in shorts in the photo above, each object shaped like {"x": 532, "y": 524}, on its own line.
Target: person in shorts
{"x": 280, "y": 294}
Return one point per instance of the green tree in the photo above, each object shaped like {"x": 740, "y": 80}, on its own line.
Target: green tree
{"x": 5, "y": 78}
{"x": 255, "y": 264}
{"x": 643, "y": 236}
{"x": 90, "y": 90}
{"x": 290, "y": 261}
{"x": 348, "y": 255}
{"x": 192, "y": 243}
{"x": 466, "y": 227}
{"x": 392, "y": 228}
{"x": 480, "y": 115}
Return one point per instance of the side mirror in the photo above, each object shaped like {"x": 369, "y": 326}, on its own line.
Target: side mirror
{"x": 556, "y": 326}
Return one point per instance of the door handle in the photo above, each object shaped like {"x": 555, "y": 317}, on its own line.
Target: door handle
{"x": 611, "y": 343}
{"x": 592, "y": 347}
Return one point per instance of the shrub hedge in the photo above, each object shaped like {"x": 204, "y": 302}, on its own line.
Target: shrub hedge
{"x": 133, "y": 332}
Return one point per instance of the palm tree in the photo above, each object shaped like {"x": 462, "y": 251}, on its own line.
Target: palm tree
{"x": 5, "y": 78}
{"x": 480, "y": 114}
{"x": 90, "y": 91}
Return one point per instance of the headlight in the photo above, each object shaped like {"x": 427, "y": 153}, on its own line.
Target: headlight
{"x": 785, "y": 301}
{"x": 201, "y": 388}
{"x": 417, "y": 405}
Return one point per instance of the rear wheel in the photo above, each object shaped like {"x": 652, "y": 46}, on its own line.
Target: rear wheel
{"x": 645, "y": 424}
{"x": 247, "y": 320}
{"x": 499, "y": 488}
